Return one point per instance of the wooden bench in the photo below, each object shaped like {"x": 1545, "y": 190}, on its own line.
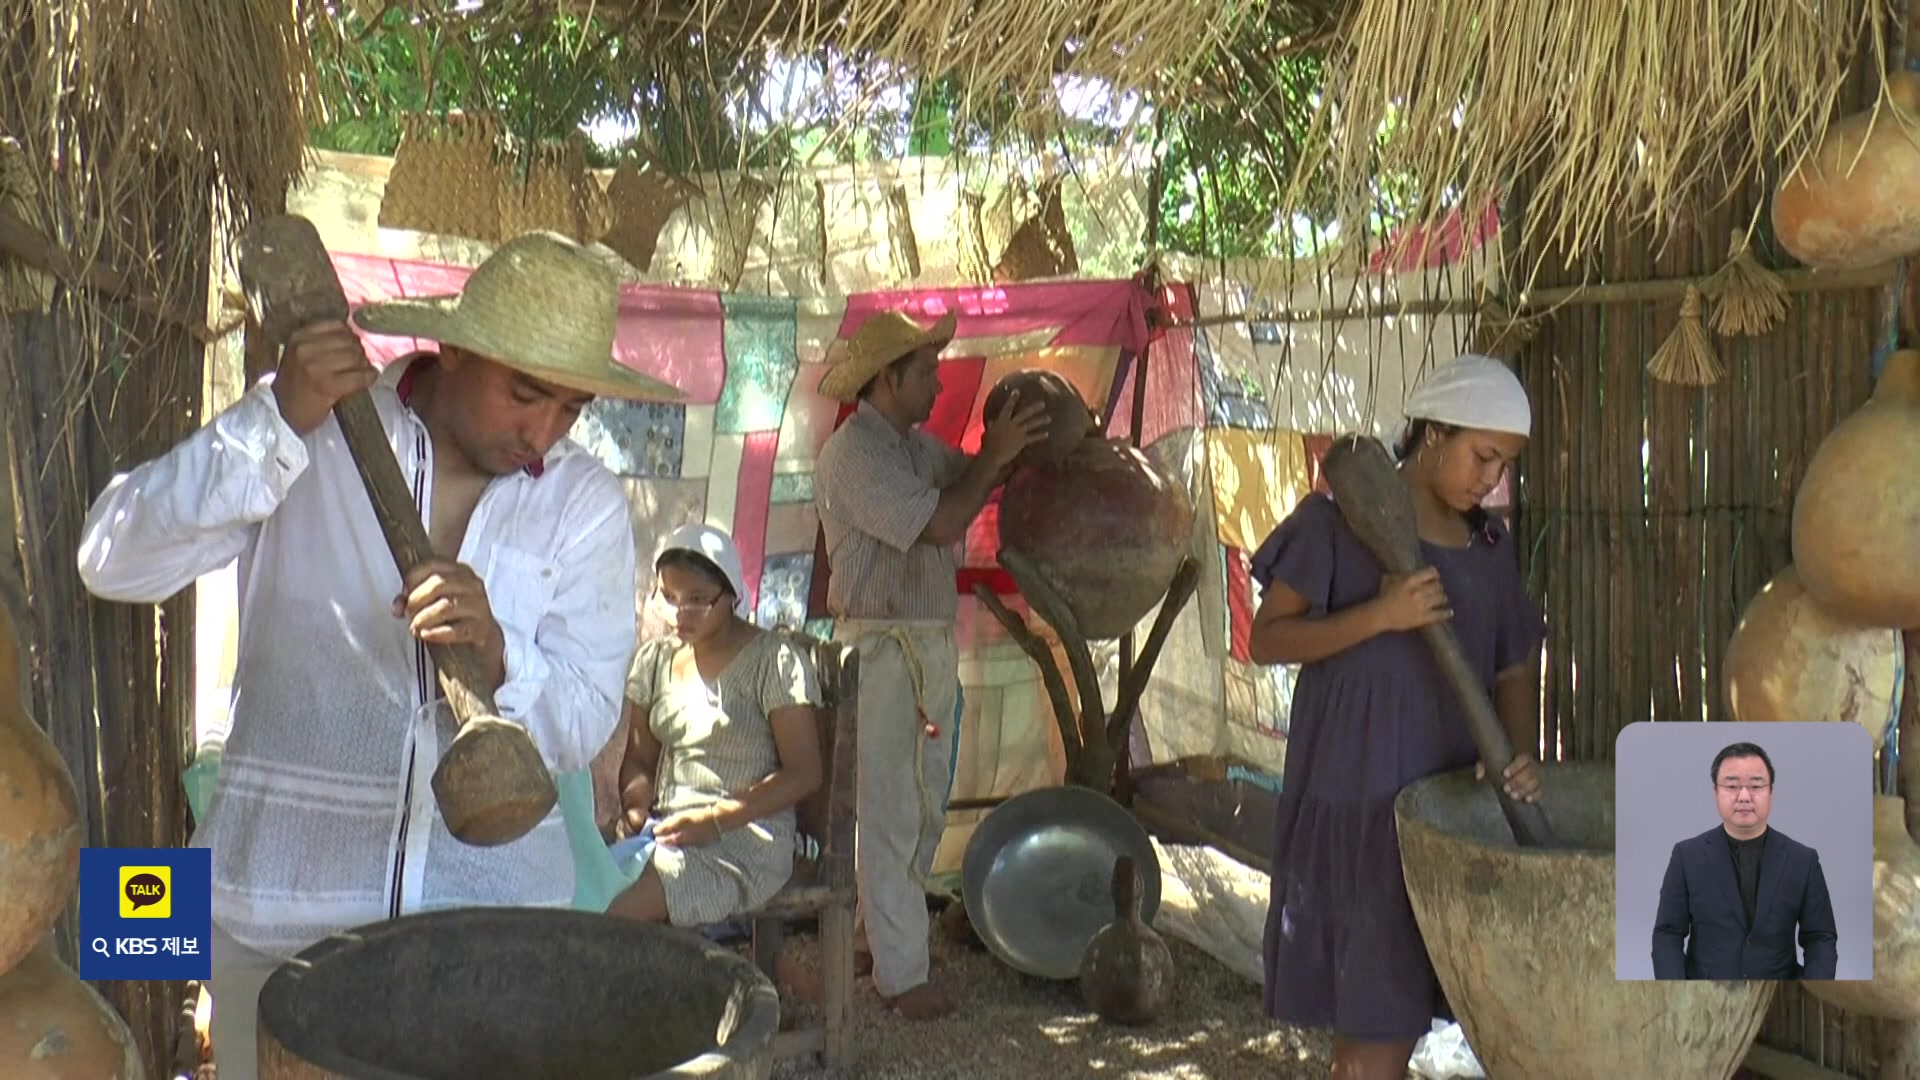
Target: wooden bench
{"x": 823, "y": 888}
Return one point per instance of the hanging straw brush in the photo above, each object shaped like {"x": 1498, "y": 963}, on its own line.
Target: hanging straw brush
{"x": 1686, "y": 358}
{"x": 1748, "y": 299}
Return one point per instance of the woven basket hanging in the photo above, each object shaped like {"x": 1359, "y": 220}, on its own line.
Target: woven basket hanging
{"x": 558, "y": 194}
{"x": 970, "y": 237}
{"x": 733, "y": 218}
{"x": 901, "y": 243}
{"x": 642, "y": 198}
{"x": 446, "y": 177}
{"x": 1041, "y": 247}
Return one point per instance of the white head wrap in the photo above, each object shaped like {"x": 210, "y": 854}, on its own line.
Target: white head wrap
{"x": 716, "y": 547}
{"x": 1472, "y": 391}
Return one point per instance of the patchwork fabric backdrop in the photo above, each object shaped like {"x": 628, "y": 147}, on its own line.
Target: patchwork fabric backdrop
{"x": 739, "y": 453}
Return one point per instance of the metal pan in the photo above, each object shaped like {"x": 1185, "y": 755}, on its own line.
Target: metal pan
{"x": 1038, "y": 876}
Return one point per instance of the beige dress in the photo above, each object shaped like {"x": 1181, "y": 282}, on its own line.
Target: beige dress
{"x": 716, "y": 742}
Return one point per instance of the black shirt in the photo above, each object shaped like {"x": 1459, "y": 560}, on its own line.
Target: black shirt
{"x": 1746, "y": 867}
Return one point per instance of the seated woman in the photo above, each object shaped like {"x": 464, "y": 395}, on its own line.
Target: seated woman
{"x": 722, "y": 742}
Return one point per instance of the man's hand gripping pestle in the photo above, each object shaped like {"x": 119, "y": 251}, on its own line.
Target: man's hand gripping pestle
{"x": 1375, "y": 504}
{"x": 491, "y": 783}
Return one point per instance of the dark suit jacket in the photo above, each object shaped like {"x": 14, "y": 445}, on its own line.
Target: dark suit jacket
{"x": 1700, "y": 899}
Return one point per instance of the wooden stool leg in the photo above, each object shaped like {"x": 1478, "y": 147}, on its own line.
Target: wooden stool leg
{"x": 836, "y": 970}
{"x": 769, "y": 938}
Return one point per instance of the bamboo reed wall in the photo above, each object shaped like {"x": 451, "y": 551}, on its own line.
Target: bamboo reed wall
{"x": 1644, "y": 566}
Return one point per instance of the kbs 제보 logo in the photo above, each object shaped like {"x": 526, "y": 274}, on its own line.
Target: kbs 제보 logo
{"x": 146, "y": 892}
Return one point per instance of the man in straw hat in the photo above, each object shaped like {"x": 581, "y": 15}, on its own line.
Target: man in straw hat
{"x": 324, "y": 818}
{"x": 893, "y": 502}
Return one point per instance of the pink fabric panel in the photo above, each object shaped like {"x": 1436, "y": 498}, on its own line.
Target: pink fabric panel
{"x": 752, "y": 497}
{"x": 1085, "y": 312}
{"x": 1173, "y": 383}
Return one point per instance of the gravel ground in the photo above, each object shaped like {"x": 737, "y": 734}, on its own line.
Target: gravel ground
{"x": 1012, "y": 1026}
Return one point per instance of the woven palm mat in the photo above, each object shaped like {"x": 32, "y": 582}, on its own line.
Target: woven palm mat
{"x": 1012, "y": 1026}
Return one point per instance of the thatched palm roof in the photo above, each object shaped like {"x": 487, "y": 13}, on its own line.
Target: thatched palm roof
{"x": 1638, "y": 109}
{"x": 1634, "y": 109}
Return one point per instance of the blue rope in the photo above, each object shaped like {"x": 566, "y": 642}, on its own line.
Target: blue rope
{"x": 1891, "y": 343}
{"x": 1890, "y": 746}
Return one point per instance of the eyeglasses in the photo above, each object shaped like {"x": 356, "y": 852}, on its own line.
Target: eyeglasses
{"x": 687, "y": 607}
{"x": 1751, "y": 789}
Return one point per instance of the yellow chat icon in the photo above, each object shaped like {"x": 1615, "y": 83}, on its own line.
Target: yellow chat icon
{"x": 146, "y": 892}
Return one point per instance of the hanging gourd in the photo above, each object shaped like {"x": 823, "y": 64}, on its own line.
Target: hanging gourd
{"x": 59, "y": 1028}
{"x": 1791, "y": 661}
{"x": 1854, "y": 201}
{"x": 39, "y": 819}
{"x": 1856, "y": 517}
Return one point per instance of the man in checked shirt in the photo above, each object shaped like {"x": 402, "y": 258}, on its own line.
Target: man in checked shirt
{"x": 894, "y": 501}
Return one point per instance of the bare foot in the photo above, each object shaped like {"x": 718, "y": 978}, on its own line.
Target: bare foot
{"x": 923, "y": 1002}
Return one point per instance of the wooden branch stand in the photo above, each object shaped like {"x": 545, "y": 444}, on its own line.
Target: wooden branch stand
{"x": 1093, "y": 739}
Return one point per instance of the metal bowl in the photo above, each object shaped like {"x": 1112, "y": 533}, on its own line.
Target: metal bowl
{"x": 1038, "y": 876}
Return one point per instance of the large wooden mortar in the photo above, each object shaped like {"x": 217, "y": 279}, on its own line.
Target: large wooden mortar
{"x": 536, "y": 994}
{"x": 1523, "y": 941}
{"x": 1894, "y": 991}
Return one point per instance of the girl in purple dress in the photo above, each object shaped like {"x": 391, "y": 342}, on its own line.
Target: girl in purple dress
{"x": 1372, "y": 714}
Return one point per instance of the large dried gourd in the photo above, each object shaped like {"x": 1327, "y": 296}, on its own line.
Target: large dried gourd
{"x": 1789, "y": 661}
{"x": 1856, "y": 518}
{"x": 39, "y": 819}
{"x": 55, "y": 1027}
{"x": 1854, "y": 202}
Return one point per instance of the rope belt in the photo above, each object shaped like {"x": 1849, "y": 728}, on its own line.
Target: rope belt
{"x": 901, "y": 634}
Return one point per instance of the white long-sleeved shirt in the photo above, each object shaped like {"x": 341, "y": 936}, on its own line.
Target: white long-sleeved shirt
{"x": 325, "y": 818}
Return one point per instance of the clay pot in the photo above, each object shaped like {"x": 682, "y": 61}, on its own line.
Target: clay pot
{"x": 58, "y": 1028}
{"x": 1854, "y": 202}
{"x": 1105, "y": 526}
{"x": 1788, "y": 660}
{"x": 1523, "y": 941}
{"x": 522, "y": 992}
{"x": 1894, "y": 991}
{"x": 1126, "y": 974}
{"x": 1857, "y": 512}
{"x": 39, "y": 821}
{"x": 1068, "y": 418}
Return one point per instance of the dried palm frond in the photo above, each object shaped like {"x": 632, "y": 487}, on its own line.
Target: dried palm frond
{"x": 140, "y": 119}
{"x": 1748, "y": 299}
{"x": 1686, "y": 358}
{"x": 1615, "y": 113}
{"x": 23, "y": 288}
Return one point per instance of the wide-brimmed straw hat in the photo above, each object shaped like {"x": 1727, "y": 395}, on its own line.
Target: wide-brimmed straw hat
{"x": 541, "y": 305}
{"x": 880, "y": 341}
